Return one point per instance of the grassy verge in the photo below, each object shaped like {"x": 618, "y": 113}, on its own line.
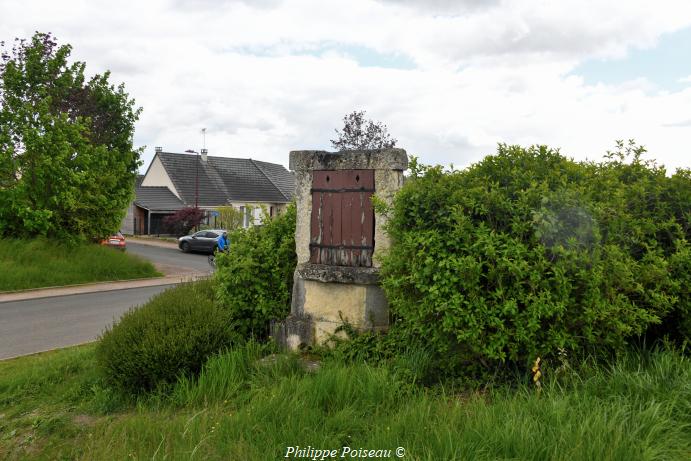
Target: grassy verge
{"x": 243, "y": 406}
{"x": 42, "y": 263}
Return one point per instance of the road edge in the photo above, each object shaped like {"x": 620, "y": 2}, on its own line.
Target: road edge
{"x": 38, "y": 293}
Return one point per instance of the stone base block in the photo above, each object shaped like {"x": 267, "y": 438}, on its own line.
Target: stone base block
{"x": 324, "y": 298}
{"x": 293, "y": 333}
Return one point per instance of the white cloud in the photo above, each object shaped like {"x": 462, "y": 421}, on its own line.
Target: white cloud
{"x": 486, "y": 72}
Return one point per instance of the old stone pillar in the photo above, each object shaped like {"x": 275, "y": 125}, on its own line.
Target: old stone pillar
{"x": 339, "y": 239}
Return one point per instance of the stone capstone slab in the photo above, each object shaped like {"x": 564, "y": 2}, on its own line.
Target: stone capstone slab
{"x": 337, "y": 274}
{"x": 373, "y": 159}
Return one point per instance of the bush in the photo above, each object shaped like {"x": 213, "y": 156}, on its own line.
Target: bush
{"x": 183, "y": 220}
{"x": 528, "y": 252}
{"x": 255, "y": 278}
{"x": 230, "y": 218}
{"x": 170, "y": 336}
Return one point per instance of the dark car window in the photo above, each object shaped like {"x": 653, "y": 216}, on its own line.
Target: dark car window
{"x": 200, "y": 234}
{"x": 211, "y": 235}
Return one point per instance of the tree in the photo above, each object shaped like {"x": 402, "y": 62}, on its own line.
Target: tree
{"x": 229, "y": 218}
{"x": 183, "y": 220}
{"x": 359, "y": 133}
{"x": 67, "y": 164}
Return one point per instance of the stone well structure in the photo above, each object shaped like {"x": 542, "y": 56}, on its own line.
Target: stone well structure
{"x": 339, "y": 238}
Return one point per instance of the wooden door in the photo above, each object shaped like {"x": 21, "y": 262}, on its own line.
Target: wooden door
{"x": 342, "y": 223}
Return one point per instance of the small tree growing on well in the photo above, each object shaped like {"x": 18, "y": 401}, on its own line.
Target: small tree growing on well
{"x": 183, "y": 220}
{"x": 359, "y": 133}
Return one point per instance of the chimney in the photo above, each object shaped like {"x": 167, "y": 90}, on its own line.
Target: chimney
{"x": 204, "y": 152}
{"x": 159, "y": 149}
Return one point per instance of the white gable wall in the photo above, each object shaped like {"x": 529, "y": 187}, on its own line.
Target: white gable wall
{"x": 157, "y": 176}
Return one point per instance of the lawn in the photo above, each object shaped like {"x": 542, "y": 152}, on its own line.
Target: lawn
{"x": 55, "y": 406}
{"x": 41, "y": 263}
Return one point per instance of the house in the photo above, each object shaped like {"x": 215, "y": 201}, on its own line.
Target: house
{"x": 174, "y": 181}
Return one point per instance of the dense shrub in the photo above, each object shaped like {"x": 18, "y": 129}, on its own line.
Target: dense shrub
{"x": 255, "y": 279}
{"x": 230, "y": 218}
{"x": 183, "y": 220}
{"x": 170, "y": 336}
{"x": 528, "y": 252}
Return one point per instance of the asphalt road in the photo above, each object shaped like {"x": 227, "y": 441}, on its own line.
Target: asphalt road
{"x": 170, "y": 257}
{"x": 37, "y": 325}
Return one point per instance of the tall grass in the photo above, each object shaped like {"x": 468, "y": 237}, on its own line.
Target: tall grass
{"x": 42, "y": 263}
{"x": 246, "y": 406}
{"x": 243, "y": 408}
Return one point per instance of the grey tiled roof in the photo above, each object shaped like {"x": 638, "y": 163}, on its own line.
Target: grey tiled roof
{"x": 278, "y": 177}
{"x": 157, "y": 198}
{"x": 223, "y": 179}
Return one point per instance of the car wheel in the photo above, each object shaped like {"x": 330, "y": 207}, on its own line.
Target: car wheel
{"x": 185, "y": 247}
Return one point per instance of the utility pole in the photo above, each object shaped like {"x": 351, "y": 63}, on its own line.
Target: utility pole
{"x": 196, "y": 184}
{"x": 196, "y": 175}
{"x": 196, "y": 178}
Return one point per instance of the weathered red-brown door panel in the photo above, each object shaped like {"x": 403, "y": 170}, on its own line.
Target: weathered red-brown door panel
{"x": 342, "y": 227}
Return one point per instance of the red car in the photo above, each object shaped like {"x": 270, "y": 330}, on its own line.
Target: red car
{"x": 116, "y": 240}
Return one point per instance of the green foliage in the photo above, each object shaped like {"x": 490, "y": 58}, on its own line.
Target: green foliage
{"x": 229, "y": 218}
{"x": 169, "y": 337}
{"x": 67, "y": 165}
{"x": 527, "y": 252}
{"x": 41, "y": 262}
{"x": 183, "y": 220}
{"x": 246, "y": 407}
{"x": 254, "y": 280}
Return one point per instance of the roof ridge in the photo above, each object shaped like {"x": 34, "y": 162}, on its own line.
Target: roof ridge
{"x": 269, "y": 179}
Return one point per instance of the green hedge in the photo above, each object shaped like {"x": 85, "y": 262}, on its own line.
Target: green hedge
{"x": 528, "y": 252}
{"x": 254, "y": 280}
{"x": 170, "y": 336}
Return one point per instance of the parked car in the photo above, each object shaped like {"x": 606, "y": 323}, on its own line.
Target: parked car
{"x": 205, "y": 241}
{"x": 117, "y": 240}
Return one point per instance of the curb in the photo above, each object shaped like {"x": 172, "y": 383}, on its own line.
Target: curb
{"x": 152, "y": 242}
{"x": 78, "y": 285}
{"x": 39, "y": 293}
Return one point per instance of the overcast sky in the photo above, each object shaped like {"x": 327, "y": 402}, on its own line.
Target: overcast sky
{"x": 451, "y": 79}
